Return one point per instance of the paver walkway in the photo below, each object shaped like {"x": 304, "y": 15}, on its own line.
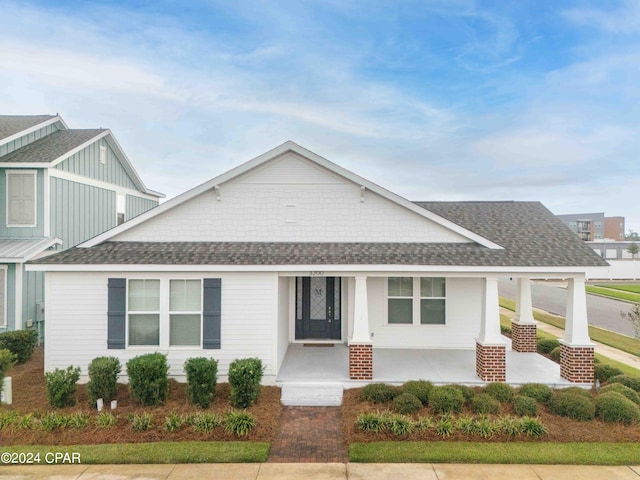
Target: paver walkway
{"x": 309, "y": 434}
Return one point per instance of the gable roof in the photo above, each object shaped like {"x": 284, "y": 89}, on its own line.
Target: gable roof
{"x": 13, "y": 126}
{"x": 52, "y": 147}
{"x": 310, "y": 156}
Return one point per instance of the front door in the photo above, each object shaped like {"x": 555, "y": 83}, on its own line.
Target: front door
{"x": 318, "y": 308}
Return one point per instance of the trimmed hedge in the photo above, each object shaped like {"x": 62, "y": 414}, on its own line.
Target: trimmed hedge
{"x": 245, "y": 375}
{"x": 202, "y": 378}
{"x": 539, "y": 392}
{"x": 604, "y": 372}
{"x": 19, "y": 342}
{"x": 555, "y": 354}
{"x": 499, "y": 390}
{"x": 7, "y": 359}
{"x": 379, "y": 393}
{"x": 149, "y": 378}
{"x": 485, "y": 403}
{"x": 61, "y": 386}
{"x": 446, "y": 399}
{"x": 614, "y": 407}
{"x": 525, "y": 406}
{"x": 419, "y": 388}
{"x": 407, "y": 403}
{"x": 622, "y": 390}
{"x": 628, "y": 381}
{"x": 103, "y": 378}
{"x": 572, "y": 405}
{"x": 546, "y": 345}
{"x": 467, "y": 392}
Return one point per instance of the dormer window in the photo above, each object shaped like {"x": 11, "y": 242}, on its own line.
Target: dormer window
{"x": 21, "y": 198}
{"x": 103, "y": 154}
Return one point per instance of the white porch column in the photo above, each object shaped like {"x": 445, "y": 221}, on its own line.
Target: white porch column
{"x": 524, "y": 304}
{"x": 19, "y": 285}
{"x": 576, "y": 349}
{"x": 523, "y": 327}
{"x": 360, "y": 344}
{"x": 491, "y": 363}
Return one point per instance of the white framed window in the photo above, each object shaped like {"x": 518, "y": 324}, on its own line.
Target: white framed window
{"x": 121, "y": 209}
{"x": 416, "y": 300}
{"x": 21, "y": 198}
{"x": 103, "y": 154}
{"x": 185, "y": 313}
{"x": 143, "y": 312}
{"x": 3, "y": 295}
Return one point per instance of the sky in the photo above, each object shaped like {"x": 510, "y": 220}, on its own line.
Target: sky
{"x": 433, "y": 100}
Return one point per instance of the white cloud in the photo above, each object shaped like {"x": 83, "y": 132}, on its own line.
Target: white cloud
{"x": 625, "y": 19}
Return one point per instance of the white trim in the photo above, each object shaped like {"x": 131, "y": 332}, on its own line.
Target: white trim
{"x": 120, "y": 190}
{"x": 46, "y": 202}
{"x": 18, "y": 297}
{"x": 5, "y": 269}
{"x": 34, "y": 173}
{"x": 29, "y": 130}
{"x": 271, "y": 155}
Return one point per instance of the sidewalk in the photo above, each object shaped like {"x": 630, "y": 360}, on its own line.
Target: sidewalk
{"x": 320, "y": 471}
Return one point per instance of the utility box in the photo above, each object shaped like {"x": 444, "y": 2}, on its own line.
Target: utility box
{"x": 40, "y": 311}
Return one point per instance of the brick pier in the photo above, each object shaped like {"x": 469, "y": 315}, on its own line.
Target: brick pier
{"x": 360, "y": 361}
{"x": 523, "y": 337}
{"x": 576, "y": 363}
{"x": 491, "y": 362}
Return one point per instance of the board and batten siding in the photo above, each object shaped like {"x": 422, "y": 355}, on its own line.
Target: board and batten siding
{"x": 86, "y": 163}
{"x": 79, "y": 211}
{"x": 10, "y": 298}
{"x": 290, "y": 199}
{"x": 76, "y": 330}
{"x": 32, "y": 294}
{"x": 27, "y": 139}
{"x": 138, "y": 205}
{"x": 22, "y": 232}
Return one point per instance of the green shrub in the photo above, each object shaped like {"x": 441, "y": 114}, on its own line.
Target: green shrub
{"x": 148, "y": 378}
{"x": 103, "y": 378}
{"x": 614, "y": 407}
{"x": 172, "y": 422}
{"x": 19, "y": 342}
{"x": 398, "y": 425}
{"x": 604, "y": 372}
{"x": 61, "y": 386}
{"x": 485, "y": 427}
{"x": 505, "y": 329}
{"x": 545, "y": 345}
{"x": 78, "y": 420}
{"x": 379, "y": 393}
{"x": 422, "y": 424}
{"x": 53, "y": 420}
{"x": 533, "y": 427}
{"x": 446, "y": 399}
{"x": 205, "y": 422}
{"x": 245, "y": 375}
{"x": 622, "y": 390}
{"x": 141, "y": 423}
{"x": 371, "y": 422}
{"x": 500, "y": 391}
{"x": 484, "y": 403}
{"x": 555, "y": 354}
{"x": 202, "y": 377}
{"x": 407, "y": 403}
{"x": 239, "y": 423}
{"x": 419, "y": 388}
{"x": 106, "y": 420}
{"x": 578, "y": 391}
{"x": 445, "y": 426}
{"x": 467, "y": 392}
{"x": 7, "y": 359}
{"x": 627, "y": 380}
{"x": 539, "y": 392}
{"x": 510, "y": 425}
{"x": 572, "y": 405}
{"x": 525, "y": 406}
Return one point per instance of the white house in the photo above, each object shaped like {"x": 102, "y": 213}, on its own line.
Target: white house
{"x": 290, "y": 251}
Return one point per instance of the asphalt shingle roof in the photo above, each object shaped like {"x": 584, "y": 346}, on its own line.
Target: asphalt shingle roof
{"x": 530, "y": 233}
{"x": 51, "y": 147}
{"x": 12, "y": 124}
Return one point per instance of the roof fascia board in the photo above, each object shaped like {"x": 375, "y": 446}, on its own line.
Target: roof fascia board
{"x": 270, "y": 155}
{"x": 29, "y": 130}
{"x": 25, "y": 164}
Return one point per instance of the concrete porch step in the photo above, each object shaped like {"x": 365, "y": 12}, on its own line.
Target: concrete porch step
{"x": 311, "y": 394}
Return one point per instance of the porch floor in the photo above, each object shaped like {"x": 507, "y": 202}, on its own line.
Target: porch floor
{"x": 316, "y": 364}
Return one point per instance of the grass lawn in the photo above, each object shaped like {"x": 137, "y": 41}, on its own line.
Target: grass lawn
{"x": 160, "y": 452}
{"x": 625, "y": 288}
{"x": 510, "y": 452}
{"x": 614, "y": 293}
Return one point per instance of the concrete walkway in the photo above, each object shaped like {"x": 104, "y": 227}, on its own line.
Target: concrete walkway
{"x": 320, "y": 471}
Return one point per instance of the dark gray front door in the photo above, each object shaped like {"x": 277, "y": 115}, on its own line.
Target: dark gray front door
{"x": 318, "y": 308}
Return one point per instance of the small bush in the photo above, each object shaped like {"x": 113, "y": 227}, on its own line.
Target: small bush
{"x": 500, "y": 391}
{"x": 19, "y": 342}
{"x": 533, "y": 427}
{"x": 604, "y": 372}
{"x": 578, "y": 391}
{"x": 7, "y": 359}
{"x": 141, "y": 423}
{"x": 525, "y": 406}
{"x": 572, "y": 405}
{"x": 371, "y": 422}
{"x": 484, "y": 403}
{"x": 202, "y": 377}
{"x": 505, "y": 329}
{"x": 239, "y": 423}
{"x": 445, "y": 426}
{"x": 106, "y": 420}
{"x": 406, "y": 403}
{"x": 622, "y": 390}
{"x": 614, "y": 407}
{"x": 245, "y": 375}
{"x": 205, "y": 422}
{"x": 78, "y": 420}
{"x": 172, "y": 422}
{"x": 103, "y": 378}
{"x": 539, "y": 392}
{"x": 53, "y": 420}
{"x": 555, "y": 354}
{"x": 446, "y": 399}
{"x": 419, "y": 388}
{"x": 628, "y": 381}
{"x": 399, "y": 425}
{"x": 485, "y": 427}
{"x": 8, "y": 418}
{"x": 546, "y": 345}
{"x": 379, "y": 393}
{"x": 148, "y": 378}
{"x": 511, "y": 426}
{"x": 467, "y": 392}
{"x": 422, "y": 424}
{"x": 61, "y": 386}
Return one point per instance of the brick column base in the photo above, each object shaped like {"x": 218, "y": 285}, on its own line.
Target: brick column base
{"x": 360, "y": 361}
{"x": 576, "y": 363}
{"x": 491, "y": 362}
{"x": 523, "y": 337}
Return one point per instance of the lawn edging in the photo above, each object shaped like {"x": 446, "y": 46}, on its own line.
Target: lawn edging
{"x": 576, "y": 453}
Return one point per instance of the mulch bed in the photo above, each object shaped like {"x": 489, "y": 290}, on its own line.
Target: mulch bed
{"x": 29, "y": 395}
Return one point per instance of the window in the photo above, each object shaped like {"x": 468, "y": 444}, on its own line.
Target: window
{"x": 121, "y": 209}
{"x": 103, "y": 154}
{"x": 144, "y": 312}
{"x": 416, "y": 300}
{"x": 185, "y": 312}
{"x": 3, "y": 296}
{"x": 21, "y": 199}
{"x": 400, "y": 301}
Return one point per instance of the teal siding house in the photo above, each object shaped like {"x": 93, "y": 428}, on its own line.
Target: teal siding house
{"x": 58, "y": 188}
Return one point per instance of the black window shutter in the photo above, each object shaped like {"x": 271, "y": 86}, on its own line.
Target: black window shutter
{"x": 116, "y": 313}
{"x": 212, "y": 300}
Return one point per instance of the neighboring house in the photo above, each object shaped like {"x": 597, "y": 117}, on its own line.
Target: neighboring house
{"x": 58, "y": 187}
{"x": 291, "y": 250}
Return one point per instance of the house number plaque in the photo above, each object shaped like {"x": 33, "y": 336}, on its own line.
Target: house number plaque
{"x": 317, "y": 274}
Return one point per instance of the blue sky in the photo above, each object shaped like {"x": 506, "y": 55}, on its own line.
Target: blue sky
{"x": 435, "y": 100}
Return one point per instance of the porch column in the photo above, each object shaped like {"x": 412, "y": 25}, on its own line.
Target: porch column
{"x": 491, "y": 363}
{"x": 360, "y": 344}
{"x": 576, "y": 349}
{"x": 523, "y": 327}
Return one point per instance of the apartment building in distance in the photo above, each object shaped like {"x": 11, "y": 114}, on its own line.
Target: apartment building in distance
{"x": 595, "y": 226}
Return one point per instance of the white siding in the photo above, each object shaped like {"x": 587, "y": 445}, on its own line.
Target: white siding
{"x": 290, "y": 199}
{"x": 463, "y": 313}
{"x": 284, "y": 315}
{"x": 76, "y": 330}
